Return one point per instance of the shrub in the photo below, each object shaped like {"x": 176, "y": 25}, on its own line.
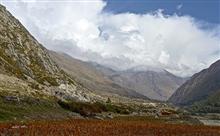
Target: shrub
{"x": 108, "y": 100}
{"x": 90, "y": 109}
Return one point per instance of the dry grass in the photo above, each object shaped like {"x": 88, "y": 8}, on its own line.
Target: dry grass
{"x": 81, "y": 127}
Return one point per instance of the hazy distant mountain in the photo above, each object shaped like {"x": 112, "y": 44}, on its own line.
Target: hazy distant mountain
{"x": 91, "y": 76}
{"x": 202, "y": 90}
{"x": 157, "y": 84}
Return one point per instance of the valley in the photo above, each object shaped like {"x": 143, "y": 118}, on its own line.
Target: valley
{"x": 44, "y": 92}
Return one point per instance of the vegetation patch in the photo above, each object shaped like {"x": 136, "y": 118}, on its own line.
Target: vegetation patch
{"x": 28, "y": 108}
{"x": 211, "y": 105}
{"x": 80, "y": 127}
{"x": 91, "y": 109}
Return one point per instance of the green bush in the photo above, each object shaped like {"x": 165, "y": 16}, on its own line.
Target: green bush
{"x": 91, "y": 109}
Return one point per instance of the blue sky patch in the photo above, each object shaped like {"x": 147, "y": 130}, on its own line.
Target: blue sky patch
{"x": 204, "y": 10}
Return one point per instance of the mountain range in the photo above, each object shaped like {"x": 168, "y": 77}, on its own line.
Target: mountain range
{"x": 28, "y": 69}
{"x": 87, "y": 74}
{"x": 156, "y": 85}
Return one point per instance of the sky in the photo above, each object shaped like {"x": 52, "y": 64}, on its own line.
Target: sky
{"x": 182, "y": 37}
{"x": 206, "y": 10}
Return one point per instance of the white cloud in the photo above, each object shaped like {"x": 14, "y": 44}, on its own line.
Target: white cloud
{"x": 164, "y": 58}
{"x": 176, "y": 43}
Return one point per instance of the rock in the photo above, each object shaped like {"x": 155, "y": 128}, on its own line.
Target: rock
{"x": 12, "y": 98}
{"x": 98, "y": 117}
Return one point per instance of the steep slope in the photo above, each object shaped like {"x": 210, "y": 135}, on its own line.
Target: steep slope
{"x": 23, "y": 57}
{"x": 87, "y": 74}
{"x": 158, "y": 85}
{"x": 203, "y": 88}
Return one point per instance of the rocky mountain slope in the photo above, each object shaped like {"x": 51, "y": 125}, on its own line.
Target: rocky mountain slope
{"x": 21, "y": 56}
{"x": 158, "y": 85}
{"x": 202, "y": 90}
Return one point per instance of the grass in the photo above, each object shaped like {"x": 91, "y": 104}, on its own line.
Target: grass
{"x": 29, "y": 108}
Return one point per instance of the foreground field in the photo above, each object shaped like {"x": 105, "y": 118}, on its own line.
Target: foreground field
{"x": 80, "y": 127}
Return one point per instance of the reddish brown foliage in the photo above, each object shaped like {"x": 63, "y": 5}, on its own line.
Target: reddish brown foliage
{"x": 106, "y": 128}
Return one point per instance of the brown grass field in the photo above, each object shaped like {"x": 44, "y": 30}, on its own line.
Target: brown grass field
{"x": 83, "y": 127}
